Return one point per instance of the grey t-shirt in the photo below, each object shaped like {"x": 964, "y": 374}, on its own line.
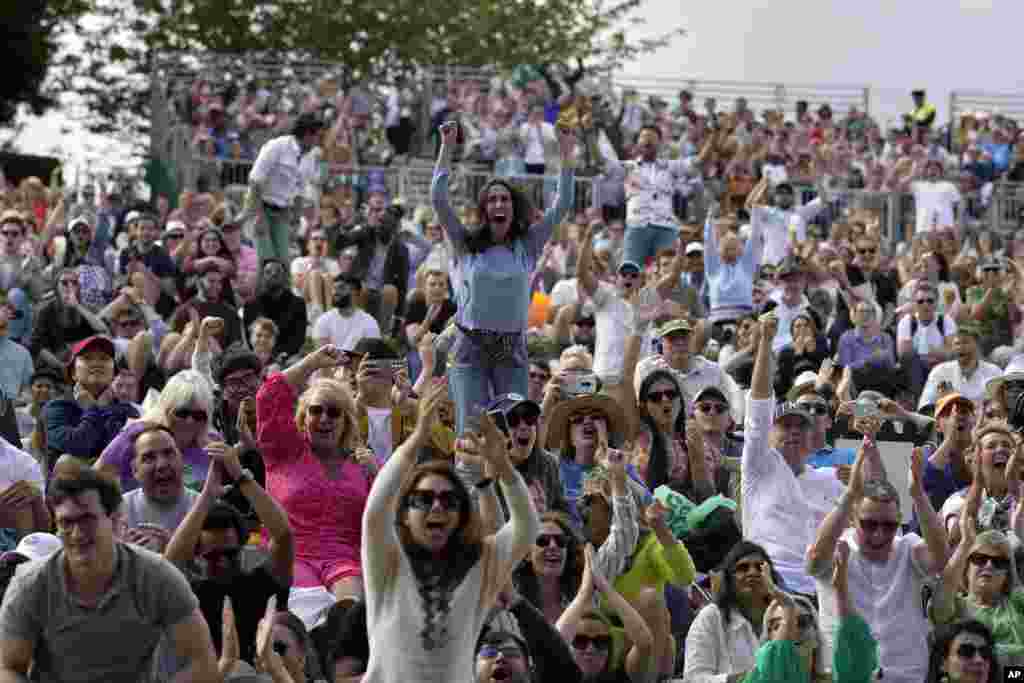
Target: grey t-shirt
{"x": 137, "y": 509}
{"x": 113, "y": 642}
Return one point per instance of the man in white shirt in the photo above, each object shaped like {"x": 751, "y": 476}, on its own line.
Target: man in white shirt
{"x": 650, "y": 183}
{"x": 922, "y": 337}
{"x": 345, "y": 325}
{"x": 934, "y": 198}
{"x": 791, "y": 301}
{"x": 278, "y": 179}
{"x": 886, "y": 572}
{"x": 966, "y": 374}
{"x": 782, "y": 226}
{"x": 784, "y": 500}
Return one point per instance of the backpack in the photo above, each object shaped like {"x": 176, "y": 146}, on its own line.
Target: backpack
{"x": 940, "y": 320}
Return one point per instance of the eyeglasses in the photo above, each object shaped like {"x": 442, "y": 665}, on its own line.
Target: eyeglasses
{"x": 970, "y": 651}
{"x": 580, "y": 418}
{"x": 516, "y": 419}
{"x": 814, "y": 408}
{"x": 712, "y": 408}
{"x": 599, "y": 643}
{"x": 659, "y": 396}
{"x": 332, "y": 411}
{"x": 194, "y": 415}
{"x": 998, "y": 562}
{"x": 280, "y": 647}
{"x": 870, "y": 526}
{"x": 424, "y": 500}
{"x": 492, "y": 652}
{"x": 544, "y": 540}
{"x": 12, "y": 233}
{"x": 928, "y": 301}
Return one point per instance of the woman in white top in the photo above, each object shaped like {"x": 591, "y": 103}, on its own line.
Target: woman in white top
{"x": 723, "y": 640}
{"x": 431, "y": 575}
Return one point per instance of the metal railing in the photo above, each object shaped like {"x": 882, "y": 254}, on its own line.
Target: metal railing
{"x": 759, "y": 96}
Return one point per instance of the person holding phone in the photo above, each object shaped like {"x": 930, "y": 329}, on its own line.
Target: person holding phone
{"x": 491, "y": 270}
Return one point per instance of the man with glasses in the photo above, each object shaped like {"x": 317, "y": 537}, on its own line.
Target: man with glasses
{"x": 923, "y": 336}
{"x": 886, "y": 571}
{"x": 208, "y": 547}
{"x": 823, "y": 455}
{"x": 714, "y": 419}
{"x": 693, "y": 372}
{"x": 790, "y": 300}
{"x": 62, "y": 322}
{"x": 502, "y": 656}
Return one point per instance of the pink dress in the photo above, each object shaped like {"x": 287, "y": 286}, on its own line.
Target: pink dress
{"x": 325, "y": 514}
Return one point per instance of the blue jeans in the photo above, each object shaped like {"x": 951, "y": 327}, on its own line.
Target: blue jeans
{"x": 482, "y": 366}
{"x": 644, "y": 241}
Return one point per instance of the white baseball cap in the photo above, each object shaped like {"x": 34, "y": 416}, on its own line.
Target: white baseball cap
{"x": 38, "y": 545}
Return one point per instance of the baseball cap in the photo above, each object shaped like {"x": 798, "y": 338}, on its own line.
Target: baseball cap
{"x": 674, "y": 326}
{"x": 711, "y": 392}
{"x": 506, "y": 403}
{"x": 95, "y": 343}
{"x": 1014, "y": 372}
{"x": 803, "y": 380}
{"x": 787, "y": 408}
{"x": 694, "y": 247}
{"x": 948, "y": 400}
{"x": 36, "y": 546}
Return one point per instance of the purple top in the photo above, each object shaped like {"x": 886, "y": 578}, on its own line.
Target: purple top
{"x": 119, "y": 454}
{"x": 856, "y": 352}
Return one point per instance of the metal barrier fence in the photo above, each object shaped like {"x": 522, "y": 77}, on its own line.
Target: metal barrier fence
{"x": 759, "y": 96}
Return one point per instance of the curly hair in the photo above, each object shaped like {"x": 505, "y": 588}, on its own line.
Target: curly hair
{"x": 569, "y": 582}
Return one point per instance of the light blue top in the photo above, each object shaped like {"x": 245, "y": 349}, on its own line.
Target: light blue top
{"x": 730, "y": 286}
{"x": 492, "y": 288}
{"x": 16, "y": 368}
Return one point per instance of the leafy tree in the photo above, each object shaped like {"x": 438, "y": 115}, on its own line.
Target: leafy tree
{"x": 120, "y": 44}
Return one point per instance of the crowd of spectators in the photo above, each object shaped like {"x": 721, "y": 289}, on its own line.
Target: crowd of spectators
{"x": 490, "y": 441}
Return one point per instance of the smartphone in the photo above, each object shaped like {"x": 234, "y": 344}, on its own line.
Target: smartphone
{"x": 580, "y": 385}
{"x": 865, "y": 408}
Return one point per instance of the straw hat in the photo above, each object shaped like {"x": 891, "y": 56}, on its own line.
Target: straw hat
{"x": 558, "y": 423}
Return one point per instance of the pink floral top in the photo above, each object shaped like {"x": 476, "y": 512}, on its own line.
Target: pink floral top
{"x": 326, "y": 514}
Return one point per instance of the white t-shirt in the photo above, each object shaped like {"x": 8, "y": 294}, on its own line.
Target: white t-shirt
{"x": 610, "y": 313}
{"x": 534, "y": 136}
{"x": 17, "y": 465}
{"x": 927, "y": 338}
{"x": 379, "y": 438}
{"x": 344, "y": 332}
{"x": 565, "y": 292}
{"x": 934, "y": 202}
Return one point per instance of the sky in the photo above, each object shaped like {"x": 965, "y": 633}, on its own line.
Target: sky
{"x": 892, "y": 46}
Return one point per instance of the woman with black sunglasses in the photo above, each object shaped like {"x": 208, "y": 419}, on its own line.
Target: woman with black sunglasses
{"x": 963, "y": 652}
{"x": 984, "y": 565}
{"x": 432, "y": 576}
{"x": 316, "y": 470}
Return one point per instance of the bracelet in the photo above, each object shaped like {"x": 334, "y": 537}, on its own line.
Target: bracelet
{"x": 484, "y": 483}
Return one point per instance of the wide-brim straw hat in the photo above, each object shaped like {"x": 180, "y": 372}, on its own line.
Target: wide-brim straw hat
{"x": 559, "y": 421}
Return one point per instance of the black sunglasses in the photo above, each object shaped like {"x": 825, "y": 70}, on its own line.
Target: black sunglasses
{"x": 867, "y": 252}
{"x": 659, "y": 396}
{"x": 544, "y": 540}
{"x": 814, "y": 408}
{"x": 872, "y": 525}
{"x": 332, "y": 411}
{"x": 925, "y": 301}
{"x": 999, "y": 563}
{"x": 969, "y": 650}
{"x": 600, "y": 643}
{"x": 194, "y": 415}
{"x": 424, "y": 500}
{"x": 280, "y": 647}
{"x": 516, "y": 419}
{"x": 541, "y": 376}
{"x": 711, "y": 408}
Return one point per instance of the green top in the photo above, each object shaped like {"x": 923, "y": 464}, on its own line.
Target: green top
{"x": 654, "y": 565}
{"x": 854, "y": 657}
{"x": 996, "y": 322}
{"x": 1005, "y": 620}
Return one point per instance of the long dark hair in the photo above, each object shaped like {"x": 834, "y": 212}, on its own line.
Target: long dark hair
{"x": 942, "y": 639}
{"x": 482, "y": 239}
{"x": 727, "y": 599}
{"x": 659, "y": 457}
{"x": 569, "y": 583}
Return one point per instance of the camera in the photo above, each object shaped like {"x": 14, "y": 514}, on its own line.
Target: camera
{"x": 581, "y": 385}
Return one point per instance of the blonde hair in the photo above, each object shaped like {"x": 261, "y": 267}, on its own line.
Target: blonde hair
{"x": 185, "y": 387}
{"x": 338, "y": 392}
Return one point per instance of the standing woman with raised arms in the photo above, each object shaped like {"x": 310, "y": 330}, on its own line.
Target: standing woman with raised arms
{"x": 491, "y": 269}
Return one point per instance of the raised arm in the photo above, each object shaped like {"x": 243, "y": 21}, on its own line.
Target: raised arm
{"x": 455, "y": 230}
{"x": 933, "y": 552}
{"x": 585, "y": 264}
{"x": 821, "y": 552}
{"x": 380, "y": 557}
{"x": 539, "y": 234}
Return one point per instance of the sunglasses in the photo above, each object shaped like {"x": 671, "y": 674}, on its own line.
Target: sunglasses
{"x": 280, "y": 647}
{"x": 544, "y": 540}
{"x": 805, "y": 622}
{"x": 712, "y": 408}
{"x": 970, "y": 650}
{"x": 194, "y": 415}
{"x": 599, "y": 643}
{"x": 12, "y": 233}
{"x": 492, "y": 652}
{"x": 580, "y": 418}
{"x": 870, "y": 526}
{"x": 659, "y": 396}
{"x": 332, "y": 411}
{"x": 540, "y": 376}
{"x": 867, "y": 252}
{"x": 999, "y": 563}
{"x": 516, "y": 419}
{"x": 814, "y": 408}
{"x": 925, "y": 301}
{"x": 424, "y": 500}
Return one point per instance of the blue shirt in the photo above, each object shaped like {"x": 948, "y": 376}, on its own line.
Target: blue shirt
{"x": 571, "y": 473}
{"x": 81, "y": 432}
{"x": 730, "y": 286}
{"x": 16, "y": 368}
{"x": 827, "y": 456}
{"x": 492, "y": 287}
{"x": 856, "y": 352}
